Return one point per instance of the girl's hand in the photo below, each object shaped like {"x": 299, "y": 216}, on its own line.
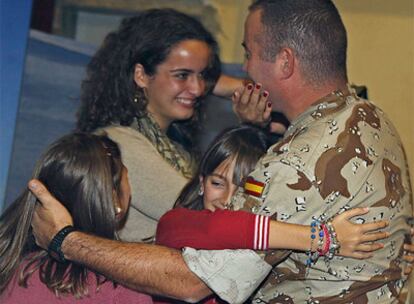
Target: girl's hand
{"x": 357, "y": 240}
{"x": 251, "y": 104}
{"x": 409, "y": 254}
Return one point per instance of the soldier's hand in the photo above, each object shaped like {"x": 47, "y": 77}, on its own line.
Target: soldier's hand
{"x": 409, "y": 255}
{"x": 251, "y": 105}
{"x": 50, "y": 215}
{"x": 358, "y": 240}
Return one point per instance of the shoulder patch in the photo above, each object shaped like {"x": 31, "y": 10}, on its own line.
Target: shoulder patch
{"x": 253, "y": 187}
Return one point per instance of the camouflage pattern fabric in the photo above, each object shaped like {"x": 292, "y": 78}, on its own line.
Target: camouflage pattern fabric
{"x": 343, "y": 152}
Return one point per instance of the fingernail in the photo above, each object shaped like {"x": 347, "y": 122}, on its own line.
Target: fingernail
{"x": 269, "y": 104}
{"x": 249, "y": 86}
{"x": 32, "y": 185}
{"x": 258, "y": 86}
{"x": 265, "y": 93}
{"x": 366, "y": 208}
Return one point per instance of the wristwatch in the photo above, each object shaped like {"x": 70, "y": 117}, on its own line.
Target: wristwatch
{"x": 55, "y": 245}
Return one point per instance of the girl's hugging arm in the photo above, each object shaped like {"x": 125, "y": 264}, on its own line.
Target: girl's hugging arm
{"x": 225, "y": 229}
{"x": 221, "y": 229}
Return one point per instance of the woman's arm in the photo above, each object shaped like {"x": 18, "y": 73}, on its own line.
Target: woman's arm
{"x": 226, "y": 85}
{"x": 224, "y": 229}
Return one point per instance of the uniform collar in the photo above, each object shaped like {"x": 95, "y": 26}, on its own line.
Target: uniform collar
{"x": 322, "y": 107}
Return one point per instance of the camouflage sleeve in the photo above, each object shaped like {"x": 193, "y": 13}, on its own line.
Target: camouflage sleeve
{"x": 232, "y": 274}
{"x": 282, "y": 192}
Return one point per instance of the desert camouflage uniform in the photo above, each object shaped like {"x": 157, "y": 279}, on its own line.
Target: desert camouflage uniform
{"x": 342, "y": 153}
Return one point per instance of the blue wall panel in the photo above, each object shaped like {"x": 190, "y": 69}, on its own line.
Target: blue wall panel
{"x": 14, "y": 25}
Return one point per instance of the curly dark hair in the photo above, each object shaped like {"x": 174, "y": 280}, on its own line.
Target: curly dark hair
{"x": 109, "y": 88}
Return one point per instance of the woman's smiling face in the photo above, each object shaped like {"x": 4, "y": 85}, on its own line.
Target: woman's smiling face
{"x": 178, "y": 82}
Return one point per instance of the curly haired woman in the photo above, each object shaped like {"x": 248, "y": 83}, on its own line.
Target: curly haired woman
{"x": 144, "y": 87}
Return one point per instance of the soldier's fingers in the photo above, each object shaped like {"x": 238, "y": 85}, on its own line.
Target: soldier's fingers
{"x": 408, "y": 270}
{"x": 409, "y": 248}
{"x": 408, "y": 258}
{"x": 42, "y": 194}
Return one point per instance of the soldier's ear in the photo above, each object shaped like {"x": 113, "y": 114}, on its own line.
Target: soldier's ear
{"x": 140, "y": 77}
{"x": 285, "y": 62}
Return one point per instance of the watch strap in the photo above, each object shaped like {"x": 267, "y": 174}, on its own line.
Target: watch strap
{"x": 55, "y": 245}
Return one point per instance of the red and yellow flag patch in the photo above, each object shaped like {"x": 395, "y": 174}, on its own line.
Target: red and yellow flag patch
{"x": 253, "y": 187}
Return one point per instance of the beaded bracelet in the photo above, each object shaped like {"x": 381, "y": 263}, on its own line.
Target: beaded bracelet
{"x": 334, "y": 243}
{"x": 331, "y": 246}
{"x": 313, "y": 256}
{"x": 325, "y": 250}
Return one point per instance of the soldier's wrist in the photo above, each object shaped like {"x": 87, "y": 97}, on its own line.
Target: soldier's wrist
{"x": 55, "y": 248}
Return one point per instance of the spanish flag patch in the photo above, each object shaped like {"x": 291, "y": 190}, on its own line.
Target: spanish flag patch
{"x": 253, "y": 187}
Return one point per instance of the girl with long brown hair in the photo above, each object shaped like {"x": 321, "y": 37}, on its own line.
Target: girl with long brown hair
{"x": 84, "y": 171}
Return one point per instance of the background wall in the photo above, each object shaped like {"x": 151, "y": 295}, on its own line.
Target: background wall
{"x": 231, "y": 15}
{"x": 14, "y": 22}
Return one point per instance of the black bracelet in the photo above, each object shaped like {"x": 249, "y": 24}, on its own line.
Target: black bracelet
{"x": 55, "y": 245}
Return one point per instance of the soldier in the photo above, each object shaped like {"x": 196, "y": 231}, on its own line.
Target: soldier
{"x": 340, "y": 152}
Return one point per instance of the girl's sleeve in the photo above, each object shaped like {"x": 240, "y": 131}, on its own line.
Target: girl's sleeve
{"x": 221, "y": 229}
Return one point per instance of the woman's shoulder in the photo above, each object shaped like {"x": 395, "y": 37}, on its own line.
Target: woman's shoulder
{"x": 122, "y": 132}
{"x": 128, "y": 139}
